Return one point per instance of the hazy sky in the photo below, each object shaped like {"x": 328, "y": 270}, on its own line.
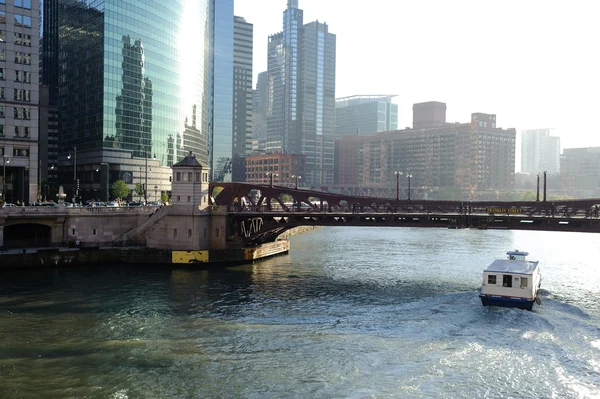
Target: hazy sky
{"x": 533, "y": 63}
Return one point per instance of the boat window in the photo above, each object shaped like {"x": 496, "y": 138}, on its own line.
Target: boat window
{"x": 491, "y": 279}
{"x": 523, "y": 282}
{"x": 507, "y": 280}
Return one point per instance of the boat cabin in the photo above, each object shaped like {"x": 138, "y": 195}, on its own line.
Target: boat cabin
{"x": 517, "y": 255}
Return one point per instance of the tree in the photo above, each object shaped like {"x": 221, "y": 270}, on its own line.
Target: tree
{"x": 119, "y": 189}
{"x": 139, "y": 189}
{"x": 164, "y": 197}
{"x": 528, "y": 196}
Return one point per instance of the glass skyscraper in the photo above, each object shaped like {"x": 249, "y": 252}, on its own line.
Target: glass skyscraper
{"x": 132, "y": 84}
{"x": 365, "y": 115}
{"x": 301, "y": 94}
{"x": 221, "y": 90}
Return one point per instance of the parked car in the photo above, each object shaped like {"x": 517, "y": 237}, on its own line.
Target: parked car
{"x": 8, "y": 205}
{"x": 112, "y": 203}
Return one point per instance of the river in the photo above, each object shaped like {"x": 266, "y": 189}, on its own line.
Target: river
{"x": 349, "y": 313}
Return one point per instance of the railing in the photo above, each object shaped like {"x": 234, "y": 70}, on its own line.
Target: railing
{"x": 56, "y": 210}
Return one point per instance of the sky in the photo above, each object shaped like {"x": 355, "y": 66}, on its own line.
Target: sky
{"x": 533, "y": 63}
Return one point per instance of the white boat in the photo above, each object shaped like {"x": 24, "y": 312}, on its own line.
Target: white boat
{"x": 511, "y": 282}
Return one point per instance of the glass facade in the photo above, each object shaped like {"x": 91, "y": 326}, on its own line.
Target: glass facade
{"x": 132, "y": 80}
{"x": 221, "y": 90}
{"x": 365, "y": 115}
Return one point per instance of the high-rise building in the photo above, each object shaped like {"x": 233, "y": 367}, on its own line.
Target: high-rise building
{"x": 19, "y": 101}
{"x": 467, "y": 156}
{"x": 580, "y": 171}
{"x": 365, "y": 115}
{"x": 259, "y": 112}
{"x": 540, "y": 151}
{"x": 132, "y": 95}
{"x": 301, "y": 94}
{"x": 242, "y": 95}
{"x": 221, "y": 90}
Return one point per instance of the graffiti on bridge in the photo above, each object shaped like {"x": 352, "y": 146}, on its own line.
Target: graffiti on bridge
{"x": 251, "y": 226}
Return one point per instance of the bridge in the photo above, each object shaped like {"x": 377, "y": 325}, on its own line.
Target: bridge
{"x": 259, "y": 213}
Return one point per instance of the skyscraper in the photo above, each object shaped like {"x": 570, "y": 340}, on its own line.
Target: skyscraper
{"x": 242, "y": 95}
{"x": 221, "y": 90}
{"x": 19, "y": 100}
{"x": 365, "y": 115}
{"x": 301, "y": 94}
{"x": 132, "y": 95}
{"x": 540, "y": 151}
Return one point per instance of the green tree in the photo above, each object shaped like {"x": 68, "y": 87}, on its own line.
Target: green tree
{"x": 510, "y": 196}
{"x": 139, "y": 190}
{"x": 119, "y": 189}
{"x": 528, "y": 196}
{"x": 164, "y": 197}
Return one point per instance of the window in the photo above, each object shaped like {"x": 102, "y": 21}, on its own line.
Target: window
{"x": 189, "y": 233}
{"x": 492, "y": 279}
{"x": 216, "y": 232}
{"x": 21, "y": 152}
{"x": 22, "y": 20}
{"x": 21, "y": 3}
{"x": 94, "y": 232}
{"x": 2, "y": 17}
{"x": 1, "y": 111}
{"x": 174, "y": 232}
{"x": 73, "y": 232}
{"x": 1, "y": 92}
{"x": 189, "y": 198}
{"x": 2, "y": 135}
{"x": 197, "y": 176}
{"x": 178, "y": 199}
{"x": 507, "y": 280}
{"x": 523, "y": 282}
{"x": 2, "y": 73}
{"x": 2, "y": 36}
{"x": 178, "y": 177}
{"x": 2, "y": 55}
{"x": 189, "y": 176}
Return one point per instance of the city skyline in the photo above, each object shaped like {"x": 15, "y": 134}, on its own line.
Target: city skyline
{"x": 521, "y": 61}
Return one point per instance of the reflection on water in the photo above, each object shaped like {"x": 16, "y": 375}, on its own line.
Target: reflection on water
{"x": 363, "y": 312}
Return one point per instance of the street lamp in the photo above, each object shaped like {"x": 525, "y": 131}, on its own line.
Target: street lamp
{"x": 5, "y": 160}
{"x": 409, "y": 176}
{"x": 398, "y": 174}
{"x": 99, "y": 169}
{"x": 75, "y": 193}
{"x": 537, "y": 197}
{"x": 272, "y": 176}
{"x": 297, "y": 177}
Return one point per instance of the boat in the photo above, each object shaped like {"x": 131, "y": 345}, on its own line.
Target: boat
{"x": 512, "y": 282}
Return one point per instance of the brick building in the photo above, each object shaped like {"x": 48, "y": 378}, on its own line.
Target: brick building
{"x": 282, "y": 166}
{"x": 467, "y": 156}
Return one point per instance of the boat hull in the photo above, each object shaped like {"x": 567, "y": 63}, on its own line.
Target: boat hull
{"x": 507, "y": 302}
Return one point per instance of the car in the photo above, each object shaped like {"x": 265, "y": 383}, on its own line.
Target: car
{"x": 8, "y": 205}
{"x": 112, "y": 203}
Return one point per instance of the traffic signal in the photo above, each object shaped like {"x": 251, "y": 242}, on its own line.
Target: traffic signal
{"x": 77, "y": 184}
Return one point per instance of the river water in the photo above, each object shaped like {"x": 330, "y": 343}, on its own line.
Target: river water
{"x": 349, "y": 313}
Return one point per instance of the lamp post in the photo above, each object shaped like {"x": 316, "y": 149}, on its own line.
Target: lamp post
{"x": 296, "y": 177}
{"x": 155, "y": 193}
{"x": 409, "y": 176}
{"x": 537, "y": 197}
{"x": 544, "y": 186}
{"x": 99, "y": 169}
{"x": 272, "y": 176}
{"x": 75, "y": 193}
{"x": 146, "y": 181}
{"x": 5, "y": 160}
{"x": 398, "y": 174}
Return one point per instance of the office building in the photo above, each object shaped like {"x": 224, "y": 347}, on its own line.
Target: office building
{"x": 540, "y": 151}
{"x": 467, "y": 156}
{"x": 580, "y": 171}
{"x": 19, "y": 101}
{"x": 242, "y": 94}
{"x": 280, "y": 168}
{"x": 132, "y": 89}
{"x": 365, "y": 115}
{"x": 259, "y": 112}
{"x": 301, "y": 94}
{"x": 221, "y": 90}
